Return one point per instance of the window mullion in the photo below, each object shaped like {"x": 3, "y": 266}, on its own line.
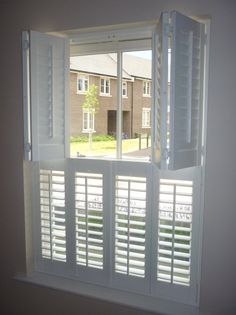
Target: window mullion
{"x": 50, "y": 213}
{"x": 119, "y": 107}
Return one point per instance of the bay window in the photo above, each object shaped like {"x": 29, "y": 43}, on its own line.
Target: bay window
{"x": 126, "y": 224}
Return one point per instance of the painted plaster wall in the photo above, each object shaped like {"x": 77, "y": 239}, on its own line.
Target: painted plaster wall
{"x": 218, "y": 284}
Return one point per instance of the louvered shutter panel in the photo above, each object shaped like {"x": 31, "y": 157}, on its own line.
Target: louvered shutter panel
{"x": 49, "y": 73}
{"x": 52, "y": 215}
{"x": 89, "y": 220}
{"x": 174, "y": 231}
{"x": 185, "y": 92}
{"x": 130, "y": 225}
{"x": 160, "y": 90}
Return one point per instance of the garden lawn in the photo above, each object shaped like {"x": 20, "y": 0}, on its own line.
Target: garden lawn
{"x": 103, "y": 148}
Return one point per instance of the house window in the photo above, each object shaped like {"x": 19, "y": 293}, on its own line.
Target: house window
{"x": 146, "y": 88}
{"x": 88, "y": 121}
{"x": 82, "y": 84}
{"x": 105, "y": 86}
{"x": 123, "y": 224}
{"x": 124, "y": 89}
{"x": 146, "y": 118}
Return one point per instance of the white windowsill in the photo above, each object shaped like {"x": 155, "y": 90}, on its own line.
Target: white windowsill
{"x": 106, "y": 95}
{"x": 81, "y": 92}
{"x": 164, "y": 307}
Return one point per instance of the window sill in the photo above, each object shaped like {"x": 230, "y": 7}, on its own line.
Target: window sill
{"x": 82, "y": 92}
{"x": 106, "y": 95}
{"x": 109, "y": 294}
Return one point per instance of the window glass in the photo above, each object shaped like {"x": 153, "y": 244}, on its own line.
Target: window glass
{"x": 105, "y": 86}
{"x": 83, "y": 83}
{"x": 136, "y": 143}
{"x": 93, "y": 116}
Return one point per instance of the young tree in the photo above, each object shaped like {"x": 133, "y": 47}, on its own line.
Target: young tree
{"x": 91, "y": 106}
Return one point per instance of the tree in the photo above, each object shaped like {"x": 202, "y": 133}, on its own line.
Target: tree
{"x": 91, "y": 106}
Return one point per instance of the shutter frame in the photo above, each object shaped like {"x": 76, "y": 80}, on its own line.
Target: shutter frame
{"x": 49, "y": 96}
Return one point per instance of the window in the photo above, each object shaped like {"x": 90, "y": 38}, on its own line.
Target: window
{"x": 82, "y": 83}
{"x": 88, "y": 121}
{"x": 122, "y": 224}
{"x": 105, "y": 86}
{"x": 124, "y": 89}
{"x": 146, "y": 88}
{"x": 146, "y": 118}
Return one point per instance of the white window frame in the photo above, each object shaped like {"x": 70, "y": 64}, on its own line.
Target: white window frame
{"x": 90, "y": 117}
{"x": 84, "y": 78}
{"x": 147, "y": 88}
{"x": 103, "y": 86}
{"x": 124, "y": 89}
{"x": 146, "y": 117}
{"x": 132, "y": 169}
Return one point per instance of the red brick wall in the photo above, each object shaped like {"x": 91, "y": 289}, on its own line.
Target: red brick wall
{"x": 135, "y": 90}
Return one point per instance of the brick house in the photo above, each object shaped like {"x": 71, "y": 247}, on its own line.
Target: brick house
{"x": 101, "y": 70}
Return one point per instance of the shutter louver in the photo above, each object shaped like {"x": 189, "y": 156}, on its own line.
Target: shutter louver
{"x": 52, "y": 212}
{"x": 89, "y": 219}
{"x": 49, "y": 73}
{"x": 130, "y": 217}
{"x": 174, "y": 231}
{"x": 186, "y": 92}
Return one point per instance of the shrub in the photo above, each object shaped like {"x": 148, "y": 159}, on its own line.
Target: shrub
{"x": 96, "y": 138}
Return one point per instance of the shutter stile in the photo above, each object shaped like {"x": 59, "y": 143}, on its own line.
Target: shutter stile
{"x": 52, "y": 212}
{"x": 174, "y": 231}
{"x": 89, "y": 219}
{"x": 130, "y": 225}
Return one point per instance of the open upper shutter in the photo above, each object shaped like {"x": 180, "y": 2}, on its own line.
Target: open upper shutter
{"x": 160, "y": 90}
{"x": 185, "y": 92}
{"x": 49, "y": 90}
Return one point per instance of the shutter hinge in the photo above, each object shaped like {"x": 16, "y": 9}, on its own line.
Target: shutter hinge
{"x": 202, "y": 150}
{"x": 205, "y": 37}
{"x": 26, "y": 44}
{"x": 168, "y": 29}
{"x": 166, "y": 154}
{"x": 28, "y": 147}
{"x": 197, "y": 293}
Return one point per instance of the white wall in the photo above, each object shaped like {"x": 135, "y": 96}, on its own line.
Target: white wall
{"x": 218, "y": 285}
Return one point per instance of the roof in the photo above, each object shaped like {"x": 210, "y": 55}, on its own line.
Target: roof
{"x": 106, "y": 64}
{"x": 136, "y": 66}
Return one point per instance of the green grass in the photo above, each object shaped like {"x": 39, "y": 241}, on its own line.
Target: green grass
{"x": 107, "y": 147}
{"x": 95, "y": 138}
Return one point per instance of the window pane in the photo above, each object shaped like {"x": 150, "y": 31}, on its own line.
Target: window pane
{"x": 136, "y": 142}
{"x": 93, "y": 112}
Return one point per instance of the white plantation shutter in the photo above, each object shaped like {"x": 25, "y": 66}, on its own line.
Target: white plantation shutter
{"x": 185, "y": 92}
{"x": 89, "y": 219}
{"x": 52, "y": 215}
{"x": 49, "y": 71}
{"x": 160, "y": 90}
{"x": 123, "y": 224}
{"x": 130, "y": 225}
{"x": 174, "y": 231}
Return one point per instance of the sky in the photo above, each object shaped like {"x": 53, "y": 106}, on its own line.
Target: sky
{"x": 147, "y": 54}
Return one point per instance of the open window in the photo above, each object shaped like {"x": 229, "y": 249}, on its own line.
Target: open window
{"x": 127, "y": 219}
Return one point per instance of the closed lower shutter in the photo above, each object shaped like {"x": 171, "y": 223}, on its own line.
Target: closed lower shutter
{"x": 130, "y": 226}
{"x": 52, "y": 213}
{"x": 174, "y": 231}
{"x": 89, "y": 219}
